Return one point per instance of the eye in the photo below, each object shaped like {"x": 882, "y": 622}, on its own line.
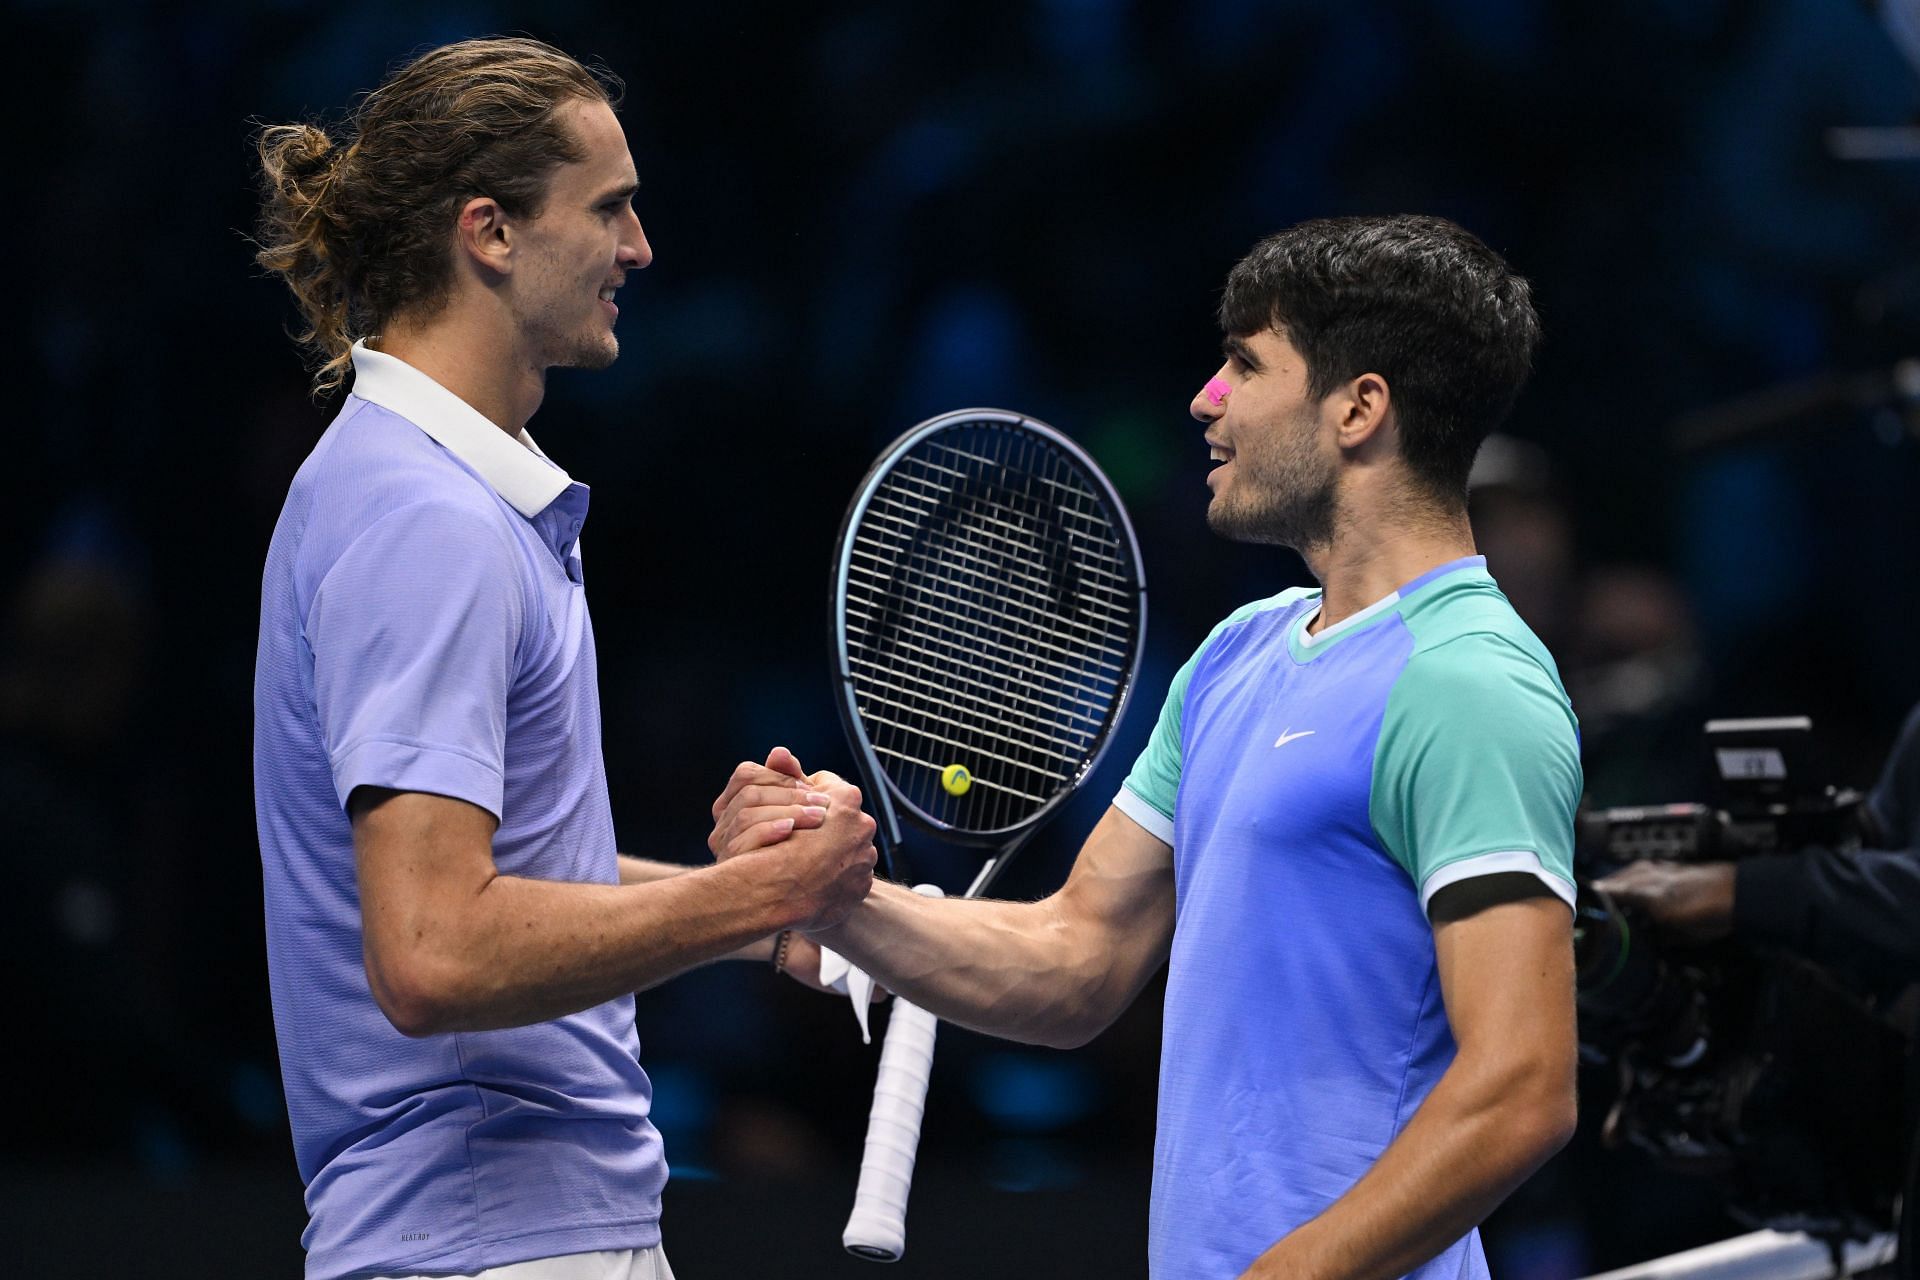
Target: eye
{"x": 1239, "y": 361}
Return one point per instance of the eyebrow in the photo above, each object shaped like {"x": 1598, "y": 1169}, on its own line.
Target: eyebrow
{"x": 1237, "y": 349}
{"x": 623, "y": 192}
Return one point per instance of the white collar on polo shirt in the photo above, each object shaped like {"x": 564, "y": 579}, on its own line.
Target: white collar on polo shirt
{"x": 519, "y": 472}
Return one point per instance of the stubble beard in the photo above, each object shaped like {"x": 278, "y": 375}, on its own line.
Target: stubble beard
{"x": 592, "y": 350}
{"x": 1291, "y": 501}
{"x": 589, "y": 354}
{"x": 567, "y": 346}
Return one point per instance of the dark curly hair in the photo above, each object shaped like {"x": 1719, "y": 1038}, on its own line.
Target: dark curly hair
{"x": 358, "y": 224}
{"x": 1417, "y": 300}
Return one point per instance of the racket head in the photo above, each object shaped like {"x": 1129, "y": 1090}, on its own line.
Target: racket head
{"x": 988, "y": 611}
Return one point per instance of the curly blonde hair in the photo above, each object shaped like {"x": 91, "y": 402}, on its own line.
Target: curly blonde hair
{"x": 357, "y": 222}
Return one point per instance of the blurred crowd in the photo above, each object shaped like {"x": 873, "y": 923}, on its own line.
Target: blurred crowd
{"x": 864, "y": 214}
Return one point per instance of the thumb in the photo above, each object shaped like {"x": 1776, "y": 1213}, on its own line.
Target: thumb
{"x": 781, "y": 760}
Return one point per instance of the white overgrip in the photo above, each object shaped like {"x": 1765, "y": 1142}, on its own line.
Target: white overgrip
{"x": 877, "y": 1228}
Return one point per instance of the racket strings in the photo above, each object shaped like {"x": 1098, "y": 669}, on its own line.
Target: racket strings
{"x": 972, "y": 562}
{"x": 998, "y": 643}
{"x": 931, "y": 672}
{"x": 1024, "y": 730}
{"x": 972, "y": 556}
{"x": 965, "y": 732}
{"x": 963, "y": 581}
{"x": 990, "y": 623}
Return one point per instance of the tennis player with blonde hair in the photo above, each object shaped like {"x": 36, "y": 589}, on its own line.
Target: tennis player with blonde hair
{"x": 452, "y": 938}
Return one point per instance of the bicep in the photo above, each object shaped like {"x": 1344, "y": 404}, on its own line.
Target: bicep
{"x": 1121, "y": 893}
{"x": 419, "y": 859}
{"x": 1506, "y": 975}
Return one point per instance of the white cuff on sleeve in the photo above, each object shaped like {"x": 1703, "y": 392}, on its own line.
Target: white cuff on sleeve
{"x": 1151, "y": 820}
{"x": 1486, "y": 864}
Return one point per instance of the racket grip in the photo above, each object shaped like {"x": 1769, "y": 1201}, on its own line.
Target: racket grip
{"x": 877, "y": 1228}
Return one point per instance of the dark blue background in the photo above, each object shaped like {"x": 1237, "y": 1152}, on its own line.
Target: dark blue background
{"x": 865, "y": 214}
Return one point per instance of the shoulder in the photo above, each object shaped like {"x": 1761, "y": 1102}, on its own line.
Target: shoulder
{"x": 1267, "y": 604}
{"x": 1243, "y": 631}
{"x": 373, "y": 465}
{"x": 1478, "y": 660}
{"x": 1484, "y": 670}
{"x": 1469, "y": 637}
{"x": 379, "y": 492}
{"x": 1482, "y": 691}
{"x": 373, "y": 460}
{"x": 1254, "y": 612}
{"x": 1477, "y": 666}
{"x": 1223, "y": 643}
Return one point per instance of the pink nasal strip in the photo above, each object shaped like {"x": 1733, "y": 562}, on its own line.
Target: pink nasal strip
{"x": 1216, "y": 391}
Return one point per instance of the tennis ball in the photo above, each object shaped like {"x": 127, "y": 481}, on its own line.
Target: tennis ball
{"x": 956, "y": 779}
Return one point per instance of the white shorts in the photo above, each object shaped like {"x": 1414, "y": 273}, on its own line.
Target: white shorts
{"x": 609, "y": 1264}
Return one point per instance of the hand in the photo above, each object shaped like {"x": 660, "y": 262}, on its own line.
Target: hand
{"x": 833, "y": 864}
{"x": 763, "y": 805}
{"x": 1690, "y": 902}
{"x": 826, "y": 857}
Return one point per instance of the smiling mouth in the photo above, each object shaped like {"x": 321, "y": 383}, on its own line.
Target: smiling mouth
{"x": 1221, "y": 455}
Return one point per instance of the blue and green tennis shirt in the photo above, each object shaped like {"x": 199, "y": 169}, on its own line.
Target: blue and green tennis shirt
{"x": 1317, "y": 791}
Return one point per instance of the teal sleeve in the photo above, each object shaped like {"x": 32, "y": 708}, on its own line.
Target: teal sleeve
{"x": 1156, "y": 773}
{"x": 1477, "y": 769}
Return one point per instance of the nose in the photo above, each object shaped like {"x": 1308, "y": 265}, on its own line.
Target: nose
{"x": 635, "y": 252}
{"x": 1210, "y": 402}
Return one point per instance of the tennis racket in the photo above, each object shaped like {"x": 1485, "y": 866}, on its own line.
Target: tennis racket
{"x": 988, "y": 616}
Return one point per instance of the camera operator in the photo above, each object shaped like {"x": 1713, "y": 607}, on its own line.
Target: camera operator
{"x": 1855, "y": 911}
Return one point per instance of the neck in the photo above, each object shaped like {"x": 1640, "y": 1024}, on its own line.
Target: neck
{"x": 476, "y": 359}
{"x": 1368, "y": 559}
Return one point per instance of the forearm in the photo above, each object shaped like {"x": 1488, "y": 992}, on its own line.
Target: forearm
{"x": 1480, "y": 1133}
{"x": 1055, "y": 972}
{"x": 1015, "y": 970}
{"x": 521, "y": 951}
{"x": 647, "y": 871}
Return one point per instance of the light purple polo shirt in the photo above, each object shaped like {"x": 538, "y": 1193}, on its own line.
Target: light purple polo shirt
{"x": 423, "y": 627}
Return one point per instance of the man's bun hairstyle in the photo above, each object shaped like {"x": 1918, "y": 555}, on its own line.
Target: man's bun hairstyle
{"x": 358, "y": 221}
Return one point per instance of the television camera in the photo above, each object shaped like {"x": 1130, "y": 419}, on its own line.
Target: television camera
{"x": 1772, "y": 1074}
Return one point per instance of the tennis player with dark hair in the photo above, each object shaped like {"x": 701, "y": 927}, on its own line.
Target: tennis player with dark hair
{"x": 1351, "y": 831}
{"x": 452, "y": 939}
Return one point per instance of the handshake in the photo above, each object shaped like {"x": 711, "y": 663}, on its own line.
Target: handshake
{"x": 808, "y": 832}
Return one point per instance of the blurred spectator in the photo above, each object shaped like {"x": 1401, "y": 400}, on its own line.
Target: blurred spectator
{"x": 84, "y": 915}
{"x": 1623, "y": 635}
{"x": 1523, "y": 528}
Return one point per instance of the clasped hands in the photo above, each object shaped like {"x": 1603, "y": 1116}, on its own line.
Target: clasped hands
{"x": 812, "y": 835}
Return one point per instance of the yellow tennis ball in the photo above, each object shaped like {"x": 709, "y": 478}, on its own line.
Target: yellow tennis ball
{"x": 956, "y": 779}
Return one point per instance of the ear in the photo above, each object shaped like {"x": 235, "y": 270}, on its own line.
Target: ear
{"x": 1363, "y": 408}
{"x": 483, "y": 236}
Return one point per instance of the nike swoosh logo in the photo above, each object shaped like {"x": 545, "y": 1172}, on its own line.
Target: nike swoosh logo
{"x": 1287, "y": 736}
